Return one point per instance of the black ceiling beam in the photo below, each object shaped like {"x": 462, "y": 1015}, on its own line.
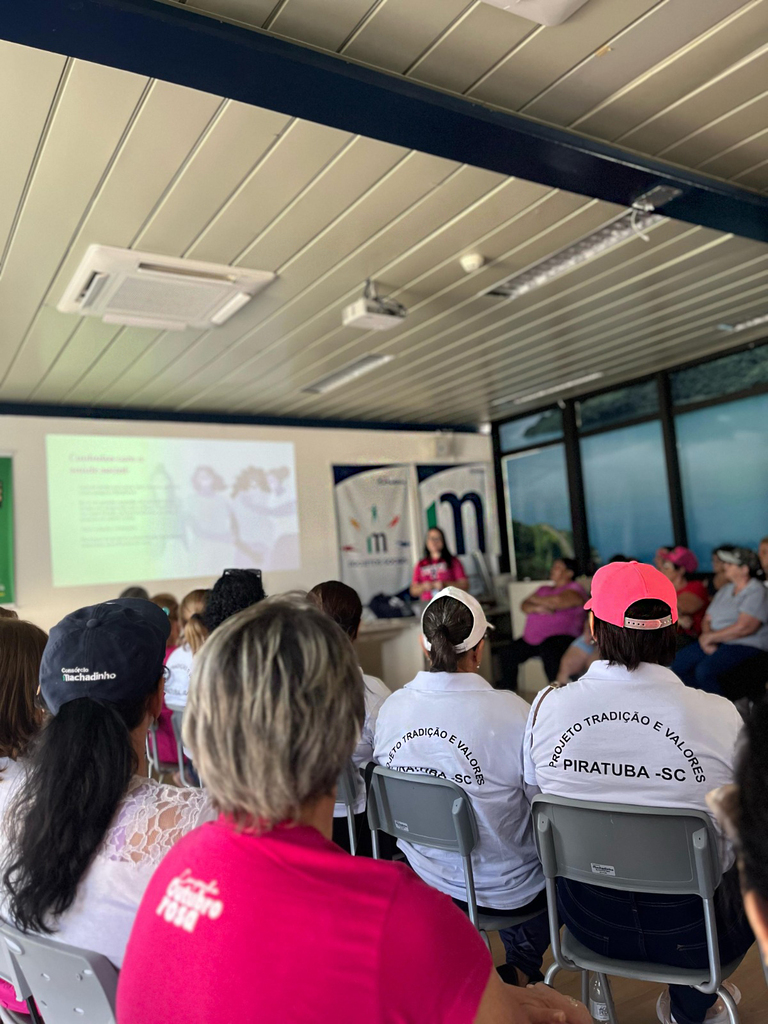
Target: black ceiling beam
{"x": 168, "y": 42}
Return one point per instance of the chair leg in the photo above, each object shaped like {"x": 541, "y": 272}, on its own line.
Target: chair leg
{"x": 551, "y": 974}
{"x": 486, "y": 940}
{"x": 608, "y": 996}
{"x": 585, "y": 987}
{"x": 730, "y": 1005}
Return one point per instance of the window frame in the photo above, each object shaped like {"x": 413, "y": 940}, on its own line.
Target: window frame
{"x": 509, "y": 533}
{"x": 572, "y": 435}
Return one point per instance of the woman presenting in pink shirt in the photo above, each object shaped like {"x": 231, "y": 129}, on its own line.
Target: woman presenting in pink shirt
{"x": 555, "y": 617}
{"x": 437, "y": 569}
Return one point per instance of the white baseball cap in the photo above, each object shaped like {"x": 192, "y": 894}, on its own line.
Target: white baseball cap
{"x": 480, "y": 624}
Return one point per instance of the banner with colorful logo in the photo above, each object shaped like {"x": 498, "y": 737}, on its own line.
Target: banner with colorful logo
{"x": 7, "y": 589}
{"x": 374, "y": 535}
{"x": 459, "y": 500}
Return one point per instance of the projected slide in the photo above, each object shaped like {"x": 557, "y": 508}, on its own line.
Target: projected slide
{"x": 133, "y": 509}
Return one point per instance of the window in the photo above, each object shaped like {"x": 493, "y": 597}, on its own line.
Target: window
{"x": 614, "y": 407}
{"x": 723, "y": 453}
{"x": 736, "y": 372}
{"x": 531, "y": 430}
{"x": 539, "y": 511}
{"x": 626, "y": 491}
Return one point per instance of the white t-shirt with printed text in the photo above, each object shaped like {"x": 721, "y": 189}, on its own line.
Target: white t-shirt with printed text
{"x": 179, "y": 667}
{"x": 639, "y": 737}
{"x": 454, "y": 725}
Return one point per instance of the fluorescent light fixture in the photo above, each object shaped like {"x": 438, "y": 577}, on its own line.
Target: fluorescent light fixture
{"x": 544, "y": 12}
{"x": 238, "y": 300}
{"x": 754, "y": 321}
{"x": 628, "y": 225}
{"x": 520, "y": 399}
{"x": 350, "y": 372}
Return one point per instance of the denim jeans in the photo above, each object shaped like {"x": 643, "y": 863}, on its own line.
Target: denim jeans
{"x": 662, "y": 929}
{"x": 703, "y": 671}
{"x": 525, "y": 944}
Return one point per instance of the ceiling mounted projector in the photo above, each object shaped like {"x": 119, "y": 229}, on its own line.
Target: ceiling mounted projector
{"x": 543, "y": 12}
{"x": 372, "y": 312}
{"x": 142, "y": 289}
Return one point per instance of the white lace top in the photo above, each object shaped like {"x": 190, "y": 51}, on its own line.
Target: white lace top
{"x": 150, "y": 819}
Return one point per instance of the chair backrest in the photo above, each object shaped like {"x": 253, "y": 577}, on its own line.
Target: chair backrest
{"x": 617, "y": 846}
{"x": 428, "y": 811}
{"x": 346, "y": 793}
{"x": 153, "y": 759}
{"x": 346, "y": 785}
{"x": 422, "y": 809}
{"x": 67, "y": 983}
{"x": 177, "y": 720}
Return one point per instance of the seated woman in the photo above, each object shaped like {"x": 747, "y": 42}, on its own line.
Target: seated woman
{"x": 734, "y": 630}
{"x": 343, "y": 605}
{"x": 86, "y": 828}
{"x": 437, "y": 569}
{"x": 555, "y": 617}
{"x": 21, "y": 650}
{"x": 742, "y": 810}
{"x": 170, "y": 606}
{"x": 473, "y": 737}
{"x": 630, "y": 732}
{"x": 718, "y": 578}
{"x": 191, "y": 638}
{"x": 692, "y": 596}
{"x": 275, "y": 710}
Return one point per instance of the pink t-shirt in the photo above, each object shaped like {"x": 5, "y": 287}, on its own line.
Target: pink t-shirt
{"x": 217, "y": 930}
{"x": 428, "y": 571}
{"x": 565, "y": 622}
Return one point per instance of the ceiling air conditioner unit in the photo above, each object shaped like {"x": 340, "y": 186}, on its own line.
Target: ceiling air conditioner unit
{"x": 544, "y": 12}
{"x": 143, "y": 289}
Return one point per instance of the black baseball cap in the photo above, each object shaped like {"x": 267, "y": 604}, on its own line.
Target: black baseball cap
{"x": 112, "y": 652}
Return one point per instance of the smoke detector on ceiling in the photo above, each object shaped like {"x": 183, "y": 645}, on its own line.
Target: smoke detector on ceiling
{"x": 544, "y": 12}
{"x": 142, "y": 289}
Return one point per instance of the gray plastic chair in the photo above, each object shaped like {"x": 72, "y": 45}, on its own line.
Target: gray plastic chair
{"x": 67, "y": 983}
{"x": 153, "y": 760}
{"x": 635, "y": 849}
{"x": 435, "y": 813}
{"x": 8, "y": 974}
{"x": 177, "y": 718}
{"x": 346, "y": 793}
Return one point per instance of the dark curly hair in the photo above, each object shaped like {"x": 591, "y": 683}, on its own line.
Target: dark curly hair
{"x": 236, "y": 590}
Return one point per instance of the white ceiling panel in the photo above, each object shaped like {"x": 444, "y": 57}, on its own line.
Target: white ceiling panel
{"x": 94, "y": 155}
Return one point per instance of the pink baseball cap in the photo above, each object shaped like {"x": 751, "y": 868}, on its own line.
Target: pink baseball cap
{"x": 684, "y": 558}
{"x": 618, "y": 585}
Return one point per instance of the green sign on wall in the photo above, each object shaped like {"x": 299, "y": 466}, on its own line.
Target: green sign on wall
{"x": 6, "y": 531}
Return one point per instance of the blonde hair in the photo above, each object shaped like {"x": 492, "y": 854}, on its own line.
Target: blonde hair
{"x": 274, "y": 711}
{"x": 193, "y": 631}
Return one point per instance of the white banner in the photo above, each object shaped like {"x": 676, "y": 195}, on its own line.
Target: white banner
{"x": 374, "y": 536}
{"x": 460, "y": 501}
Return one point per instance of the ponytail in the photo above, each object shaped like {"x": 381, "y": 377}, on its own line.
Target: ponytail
{"x": 195, "y": 632}
{"x": 442, "y": 655}
{"x": 79, "y": 771}
{"x": 446, "y": 624}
